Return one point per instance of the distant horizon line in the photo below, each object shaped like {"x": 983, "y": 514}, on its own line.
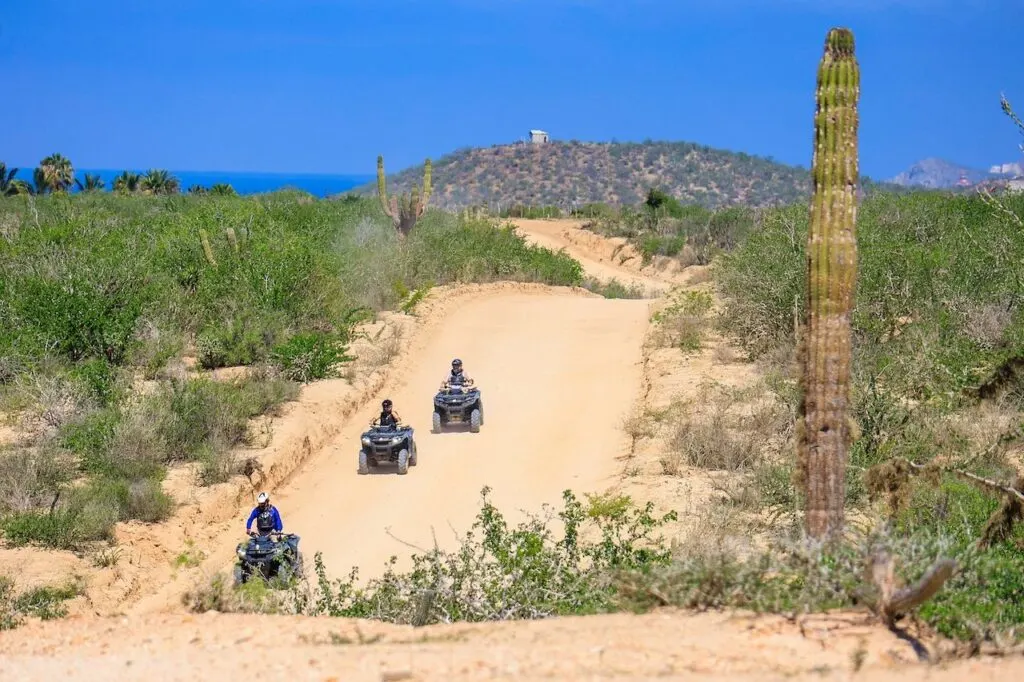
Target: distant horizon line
{"x": 145, "y": 169}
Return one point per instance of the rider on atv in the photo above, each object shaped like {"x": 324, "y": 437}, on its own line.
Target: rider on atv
{"x": 388, "y": 417}
{"x": 266, "y": 516}
{"x": 457, "y": 377}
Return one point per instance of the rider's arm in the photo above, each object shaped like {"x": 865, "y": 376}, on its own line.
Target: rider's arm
{"x": 398, "y": 420}
{"x": 278, "y": 524}
{"x": 252, "y": 517}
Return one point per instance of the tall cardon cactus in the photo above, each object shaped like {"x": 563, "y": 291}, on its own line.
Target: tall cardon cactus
{"x": 404, "y": 209}
{"x": 825, "y": 429}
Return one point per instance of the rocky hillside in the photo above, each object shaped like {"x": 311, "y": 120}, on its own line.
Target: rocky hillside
{"x": 936, "y": 173}
{"x": 567, "y": 173}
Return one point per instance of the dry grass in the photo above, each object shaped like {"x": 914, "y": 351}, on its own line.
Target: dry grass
{"x": 52, "y": 403}
{"x": 724, "y": 430}
{"x": 30, "y": 478}
{"x": 683, "y": 321}
{"x": 724, "y": 354}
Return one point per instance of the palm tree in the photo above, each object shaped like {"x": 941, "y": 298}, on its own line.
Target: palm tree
{"x": 158, "y": 181}
{"x": 91, "y": 183}
{"x": 223, "y": 189}
{"x": 127, "y": 182}
{"x": 58, "y": 172}
{"x": 197, "y": 189}
{"x": 8, "y": 185}
{"x": 40, "y": 182}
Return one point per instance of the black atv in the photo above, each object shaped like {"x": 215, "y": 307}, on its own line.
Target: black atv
{"x": 458, "y": 404}
{"x": 387, "y": 444}
{"x": 274, "y": 555}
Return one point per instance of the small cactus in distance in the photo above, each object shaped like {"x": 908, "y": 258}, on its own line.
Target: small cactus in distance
{"x": 824, "y": 429}
{"x": 404, "y": 209}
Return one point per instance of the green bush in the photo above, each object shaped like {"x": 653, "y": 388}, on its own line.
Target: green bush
{"x": 935, "y": 308}
{"x": 89, "y": 513}
{"x": 665, "y": 227}
{"x": 45, "y": 603}
{"x": 497, "y": 573}
{"x": 312, "y": 356}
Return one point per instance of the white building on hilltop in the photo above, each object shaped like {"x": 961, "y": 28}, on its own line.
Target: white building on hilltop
{"x": 1014, "y": 169}
{"x": 538, "y": 137}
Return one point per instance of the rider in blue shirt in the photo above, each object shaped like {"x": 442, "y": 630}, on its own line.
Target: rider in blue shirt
{"x": 266, "y": 516}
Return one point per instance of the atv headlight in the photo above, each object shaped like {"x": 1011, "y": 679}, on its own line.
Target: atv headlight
{"x": 366, "y": 440}
{"x": 397, "y": 439}
{"x": 241, "y": 552}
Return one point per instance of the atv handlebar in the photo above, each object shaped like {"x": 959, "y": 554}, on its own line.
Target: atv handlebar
{"x": 277, "y": 534}
{"x": 397, "y": 427}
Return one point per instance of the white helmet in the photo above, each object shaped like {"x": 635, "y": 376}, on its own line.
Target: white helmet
{"x": 263, "y": 497}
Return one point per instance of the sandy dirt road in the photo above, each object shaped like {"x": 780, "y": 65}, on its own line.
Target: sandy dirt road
{"x": 559, "y": 370}
{"x": 557, "y": 375}
{"x": 602, "y": 258}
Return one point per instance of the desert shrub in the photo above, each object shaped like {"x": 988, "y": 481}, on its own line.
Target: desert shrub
{"x": 312, "y": 356}
{"x": 930, "y": 267}
{"x": 181, "y": 418}
{"x": 86, "y": 514}
{"x": 683, "y": 320}
{"x": 45, "y": 602}
{"x": 30, "y": 478}
{"x": 664, "y": 227}
{"x": 613, "y": 288}
{"x": 498, "y": 572}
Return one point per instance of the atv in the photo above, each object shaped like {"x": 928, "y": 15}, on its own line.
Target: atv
{"x": 274, "y": 555}
{"x": 387, "y": 444}
{"x": 459, "y": 404}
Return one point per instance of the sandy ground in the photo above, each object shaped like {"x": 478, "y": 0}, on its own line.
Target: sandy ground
{"x": 559, "y": 370}
{"x": 662, "y": 646}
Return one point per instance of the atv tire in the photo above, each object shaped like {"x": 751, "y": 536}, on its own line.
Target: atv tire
{"x": 239, "y": 575}
{"x": 475, "y": 420}
{"x": 412, "y": 454}
{"x": 403, "y": 461}
{"x": 364, "y": 467}
{"x": 436, "y": 425}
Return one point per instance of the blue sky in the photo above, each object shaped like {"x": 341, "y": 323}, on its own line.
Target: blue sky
{"x": 326, "y": 85}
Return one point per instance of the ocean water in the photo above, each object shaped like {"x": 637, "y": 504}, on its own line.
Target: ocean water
{"x": 244, "y": 183}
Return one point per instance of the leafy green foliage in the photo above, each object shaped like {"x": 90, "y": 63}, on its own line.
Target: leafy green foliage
{"x": 665, "y": 227}
{"x": 498, "y": 572}
{"x": 311, "y": 356}
{"x": 45, "y": 603}
{"x": 937, "y": 307}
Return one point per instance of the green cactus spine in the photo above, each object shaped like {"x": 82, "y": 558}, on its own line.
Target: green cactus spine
{"x": 825, "y": 430}
{"x": 404, "y": 210}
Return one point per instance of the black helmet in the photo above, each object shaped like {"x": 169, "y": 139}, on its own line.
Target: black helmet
{"x": 386, "y": 404}
{"x": 456, "y": 365}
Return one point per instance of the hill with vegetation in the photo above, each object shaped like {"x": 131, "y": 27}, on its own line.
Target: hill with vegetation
{"x": 568, "y": 174}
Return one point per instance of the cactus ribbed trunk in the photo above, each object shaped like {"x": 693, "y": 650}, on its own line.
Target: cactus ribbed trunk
{"x": 404, "y": 210}
{"x": 824, "y": 434}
